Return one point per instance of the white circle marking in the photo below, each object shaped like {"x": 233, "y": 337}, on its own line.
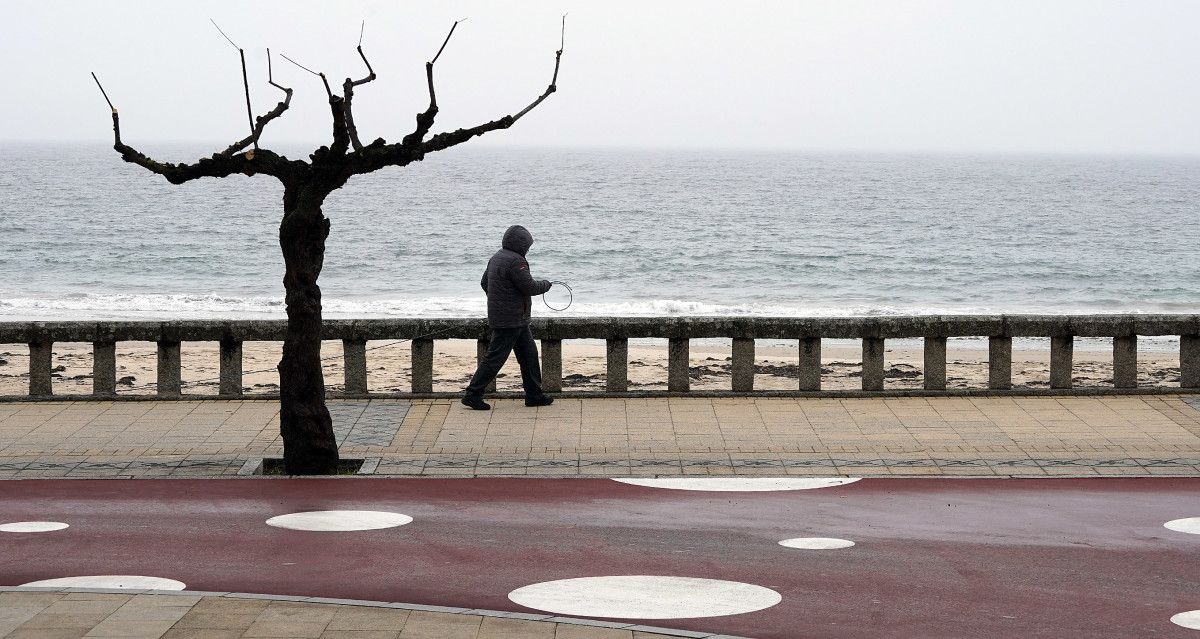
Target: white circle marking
{"x": 816, "y": 543}
{"x": 645, "y": 597}
{"x": 1189, "y": 619}
{"x": 1190, "y": 525}
{"x": 32, "y": 526}
{"x": 124, "y": 582}
{"x": 737, "y": 484}
{"x": 339, "y": 520}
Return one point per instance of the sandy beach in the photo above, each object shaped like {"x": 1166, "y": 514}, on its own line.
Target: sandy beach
{"x": 583, "y": 367}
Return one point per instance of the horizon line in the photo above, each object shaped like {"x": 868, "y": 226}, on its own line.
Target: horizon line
{"x": 795, "y": 150}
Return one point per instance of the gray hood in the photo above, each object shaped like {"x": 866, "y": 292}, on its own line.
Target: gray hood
{"x": 517, "y": 239}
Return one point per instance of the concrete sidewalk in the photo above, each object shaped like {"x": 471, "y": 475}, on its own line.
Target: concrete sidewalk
{"x": 1005, "y": 436}
{"x": 183, "y": 615}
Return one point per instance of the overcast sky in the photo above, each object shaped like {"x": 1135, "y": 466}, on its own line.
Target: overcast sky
{"x": 895, "y": 75}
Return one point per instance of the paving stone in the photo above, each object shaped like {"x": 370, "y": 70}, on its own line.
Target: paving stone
{"x": 569, "y": 631}
{"x": 437, "y": 625}
{"x": 508, "y": 628}
{"x": 361, "y": 618}
{"x": 203, "y": 633}
{"x": 49, "y": 633}
{"x": 217, "y": 619}
{"x": 1108, "y": 435}
{"x": 131, "y": 628}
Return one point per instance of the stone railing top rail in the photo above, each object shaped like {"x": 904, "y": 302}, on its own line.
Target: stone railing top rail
{"x": 899, "y": 326}
{"x": 616, "y": 331}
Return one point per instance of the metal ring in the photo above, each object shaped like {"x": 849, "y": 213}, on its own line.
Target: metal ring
{"x": 569, "y": 300}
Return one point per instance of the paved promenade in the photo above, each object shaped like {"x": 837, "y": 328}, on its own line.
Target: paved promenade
{"x": 182, "y": 615}
{"x": 1008, "y": 436}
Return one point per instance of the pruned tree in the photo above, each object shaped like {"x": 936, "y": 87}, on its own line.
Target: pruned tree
{"x": 305, "y": 424}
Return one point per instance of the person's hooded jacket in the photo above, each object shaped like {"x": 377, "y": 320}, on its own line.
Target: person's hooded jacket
{"x": 507, "y": 281}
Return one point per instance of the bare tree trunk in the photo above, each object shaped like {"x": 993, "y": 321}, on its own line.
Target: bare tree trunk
{"x": 308, "y": 441}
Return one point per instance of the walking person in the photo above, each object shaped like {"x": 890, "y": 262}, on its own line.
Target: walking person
{"x": 509, "y": 287}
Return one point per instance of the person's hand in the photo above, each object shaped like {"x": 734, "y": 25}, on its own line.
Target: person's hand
{"x": 549, "y": 285}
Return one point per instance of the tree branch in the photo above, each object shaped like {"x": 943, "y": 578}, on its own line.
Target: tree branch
{"x": 341, "y": 135}
{"x": 328, "y": 91}
{"x": 219, "y": 165}
{"x": 412, "y": 149}
{"x": 426, "y": 117}
{"x": 249, "y": 163}
{"x": 245, "y": 80}
{"x": 116, "y": 120}
{"x": 259, "y": 124}
{"x": 446, "y": 140}
{"x": 246, "y": 85}
{"x": 348, "y": 96}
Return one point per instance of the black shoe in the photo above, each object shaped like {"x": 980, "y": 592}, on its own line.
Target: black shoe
{"x": 476, "y": 403}
{"x": 544, "y": 400}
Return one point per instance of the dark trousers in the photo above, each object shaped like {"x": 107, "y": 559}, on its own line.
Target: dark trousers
{"x": 505, "y": 341}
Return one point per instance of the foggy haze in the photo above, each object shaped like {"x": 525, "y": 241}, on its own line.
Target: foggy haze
{"x": 998, "y": 76}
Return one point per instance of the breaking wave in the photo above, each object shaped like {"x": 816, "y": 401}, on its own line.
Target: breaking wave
{"x": 212, "y": 306}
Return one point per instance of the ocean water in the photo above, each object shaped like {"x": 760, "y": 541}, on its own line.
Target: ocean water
{"x": 634, "y": 232}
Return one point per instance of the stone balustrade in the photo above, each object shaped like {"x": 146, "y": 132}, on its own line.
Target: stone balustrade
{"x": 617, "y": 331}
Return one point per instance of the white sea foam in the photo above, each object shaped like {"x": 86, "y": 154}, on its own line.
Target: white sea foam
{"x": 213, "y": 306}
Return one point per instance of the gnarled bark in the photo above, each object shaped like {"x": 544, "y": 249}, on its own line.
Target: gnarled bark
{"x": 309, "y": 447}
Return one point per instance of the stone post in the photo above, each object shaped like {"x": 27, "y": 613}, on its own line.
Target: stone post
{"x": 810, "y": 363}
{"x": 40, "y": 362}
{"x": 169, "y": 375}
{"x": 354, "y": 358}
{"x": 999, "y": 362}
{"x": 872, "y": 363}
{"x": 1062, "y": 358}
{"x": 481, "y": 347}
{"x": 1189, "y": 361}
{"x": 743, "y": 364}
{"x": 231, "y": 368}
{"x": 1125, "y": 361}
{"x": 104, "y": 368}
{"x": 617, "y": 380}
{"x": 551, "y": 365}
{"x": 678, "y": 365}
{"x": 422, "y": 365}
{"x": 934, "y": 371}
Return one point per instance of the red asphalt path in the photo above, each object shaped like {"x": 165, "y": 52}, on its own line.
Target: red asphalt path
{"x": 934, "y": 557}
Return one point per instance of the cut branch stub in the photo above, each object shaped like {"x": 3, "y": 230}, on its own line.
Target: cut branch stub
{"x": 115, "y": 118}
